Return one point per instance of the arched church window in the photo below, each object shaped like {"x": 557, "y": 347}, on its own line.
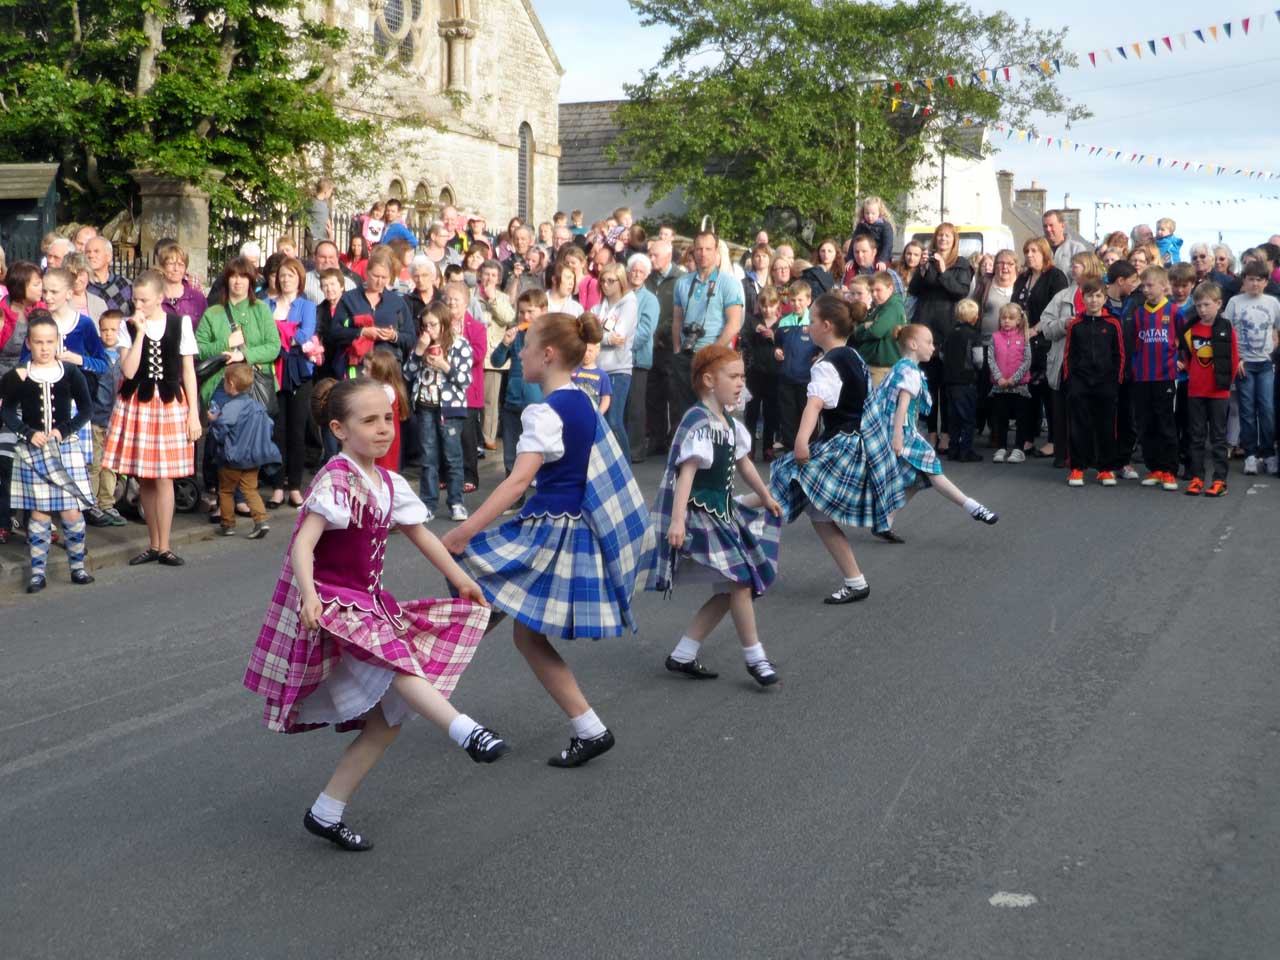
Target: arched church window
{"x": 399, "y": 29}
{"x": 524, "y": 173}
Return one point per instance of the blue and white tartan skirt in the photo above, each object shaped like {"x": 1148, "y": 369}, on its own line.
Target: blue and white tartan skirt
{"x": 852, "y": 478}
{"x": 742, "y": 549}
{"x": 50, "y": 479}
{"x": 549, "y": 573}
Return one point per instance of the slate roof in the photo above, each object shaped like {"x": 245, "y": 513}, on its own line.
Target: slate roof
{"x": 22, "y": 181}
{"x": 586, "y": 131}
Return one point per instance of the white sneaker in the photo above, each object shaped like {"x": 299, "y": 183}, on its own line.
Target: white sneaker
{"x": 1128, "y": 473}
{"x": 1272, "y": 463}
{"x": 458, "y": 512}
{"x": 1016, "y": 456}
{"x": 431, "y": 515}
{"x": 1250, "y": 466}
{"x": 999, "y": 455}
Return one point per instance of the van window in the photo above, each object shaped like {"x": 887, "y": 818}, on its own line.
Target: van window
{"x": 970, "y": 242}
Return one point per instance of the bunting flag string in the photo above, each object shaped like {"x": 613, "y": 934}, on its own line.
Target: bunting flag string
{"x": 898, "y": 105}
{"x": 1039, "y": 69}
{"x": 1224, "y": 202}
{"x": 1133, "y": 157}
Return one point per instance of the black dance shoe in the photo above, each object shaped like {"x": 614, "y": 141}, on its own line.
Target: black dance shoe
{"x": 580, "y": 751}
{"x": 888, "y": 536}
{"x": 339, "y": 834}
{"x": 692, "y": 668}
{"x": 763, "y": 672}
{"x": 35, "y": 584}
{"x": 81, "y": 577}
{"x": 848, "y": 594}
{"x": 485, "y": 746}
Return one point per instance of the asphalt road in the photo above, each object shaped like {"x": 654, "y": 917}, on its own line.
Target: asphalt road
{"x": 1075, "y": 711}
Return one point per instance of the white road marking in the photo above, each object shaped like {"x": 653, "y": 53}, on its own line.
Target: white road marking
{"x": 1002, "y": 898}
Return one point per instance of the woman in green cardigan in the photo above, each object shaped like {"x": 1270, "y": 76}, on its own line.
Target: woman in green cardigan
{"x": 255, "y": 339}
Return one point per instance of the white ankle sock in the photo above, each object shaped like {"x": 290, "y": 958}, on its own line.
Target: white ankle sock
{"x": 857, "y": 583}
{"x": 461, "y": 727}
{"x": 754, "y": 654}
{"x": 327, "y": 810}
{"x": 588, "y": 726}
{"x": 686, "y": 650}
{"x": 971, "y": 506}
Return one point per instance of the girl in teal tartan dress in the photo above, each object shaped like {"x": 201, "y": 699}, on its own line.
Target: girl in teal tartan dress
{"x": 903, "y": 397}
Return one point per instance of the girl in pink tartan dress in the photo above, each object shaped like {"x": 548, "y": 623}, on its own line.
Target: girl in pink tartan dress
{"x": 336, "y": 648}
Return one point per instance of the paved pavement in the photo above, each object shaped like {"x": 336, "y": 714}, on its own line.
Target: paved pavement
{"x": 1075, "y": 711}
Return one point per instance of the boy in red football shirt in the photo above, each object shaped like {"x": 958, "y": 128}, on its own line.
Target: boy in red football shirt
{"x": 1209, "y": 354}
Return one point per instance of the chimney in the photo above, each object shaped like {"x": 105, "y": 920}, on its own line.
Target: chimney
{"x": 1033, "y": 197}
{"x": 1071, "y": 219}
{"x": 1004, "y": 184}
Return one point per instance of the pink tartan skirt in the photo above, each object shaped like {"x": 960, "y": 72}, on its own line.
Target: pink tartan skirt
{"x": 148, "y": 440}
{"x": 348, "y": 664}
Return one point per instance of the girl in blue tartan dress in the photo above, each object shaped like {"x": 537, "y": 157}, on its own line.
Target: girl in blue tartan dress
{"x": 566, "y": 565}
{"x": 847, "y": 477}
{"x": 901, "y": 399}
{"x": 703, "y": 535}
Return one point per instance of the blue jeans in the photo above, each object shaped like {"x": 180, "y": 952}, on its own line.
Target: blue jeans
{"x": 441, "y": 437}
{"x": 1256, "y": 391}
{"x": 616, "y": 417}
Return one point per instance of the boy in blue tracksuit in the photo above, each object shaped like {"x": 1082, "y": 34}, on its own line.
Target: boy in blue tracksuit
{"x": 520, "y": 393}
{"x": 796, "y": 353}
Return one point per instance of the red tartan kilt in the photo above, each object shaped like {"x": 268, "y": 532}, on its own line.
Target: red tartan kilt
{"x": 148, "y": 440}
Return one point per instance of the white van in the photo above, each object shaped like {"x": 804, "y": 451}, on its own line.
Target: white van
{"x": 973, "y": 239}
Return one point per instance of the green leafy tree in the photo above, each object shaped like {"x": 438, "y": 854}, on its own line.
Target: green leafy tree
{"x": 245, "y": 87}
{"x": 764, "y": 105}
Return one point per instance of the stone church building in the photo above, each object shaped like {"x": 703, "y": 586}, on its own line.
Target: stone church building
{"x": 485, "y": 79}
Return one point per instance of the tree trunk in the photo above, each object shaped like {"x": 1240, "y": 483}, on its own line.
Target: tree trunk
{"x": 226, "y": 60}
{"x": 153, "y": 30}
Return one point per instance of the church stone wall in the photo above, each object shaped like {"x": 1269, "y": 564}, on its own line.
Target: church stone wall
{"x": 496, "y": 57}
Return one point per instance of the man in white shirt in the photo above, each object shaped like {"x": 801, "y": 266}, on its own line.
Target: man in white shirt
{"x": 326, "y": 258}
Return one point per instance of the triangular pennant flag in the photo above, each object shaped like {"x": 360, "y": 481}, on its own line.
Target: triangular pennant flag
{"x": 976, "y": 80}
{"x": 1137, "y": 50}
{"x": 893, "y": 105}
{"x": 1093, "y": 58}
{"x": 1057, "y": 65}
{"x": 951, "y": 81}
{"x": 1244, "y": 22}
{"x": 1213, "y": 31}
{"x": 1123, "y": 55}
{"x": 1049, "y": 142}
{"x": 1044, "y": 65}
{"x": 1227, "y": 27}
{"x": 929, "y": 85}
{"x": 1168, "y": 43}
{"x": 1022, "y": 134}
{"x": 1159, "y": 162}
{"x": 1110, "y": 58}
{"x": 1199, "y": 35}
{"x": 1152, "y": 45}
{"x": 982, "y": 75}
{"x": 1006, "y": 69}
{"x": 1182, "y": 40}
{"x": 897, "y": 87}
{"x": 1009, "y": 135}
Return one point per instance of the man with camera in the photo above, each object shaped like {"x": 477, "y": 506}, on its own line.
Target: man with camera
{"x": 518, "y": 262}
{"x": 706, "y": 309}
